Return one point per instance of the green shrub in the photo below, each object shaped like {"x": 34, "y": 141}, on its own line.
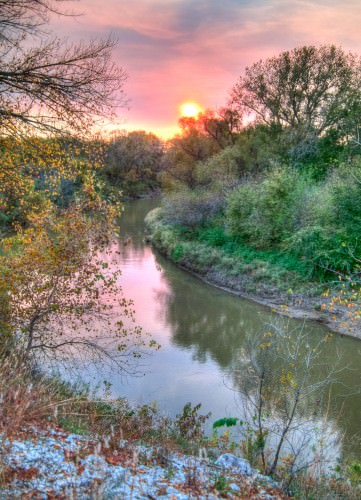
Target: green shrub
{"x": 177, "y": 253}
{"x": 329, "y": 229}
{"x": 261, "y": 213}
{"x": 223, "y": 170}
{"x": 214, "y": 236}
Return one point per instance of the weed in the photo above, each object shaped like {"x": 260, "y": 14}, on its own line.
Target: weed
{"x": 221, "y": 483}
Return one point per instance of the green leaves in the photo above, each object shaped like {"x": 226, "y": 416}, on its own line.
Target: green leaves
{"x": 228, "y": 422}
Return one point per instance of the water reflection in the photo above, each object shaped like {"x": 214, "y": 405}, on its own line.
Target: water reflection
{"x": 202, "y": 331}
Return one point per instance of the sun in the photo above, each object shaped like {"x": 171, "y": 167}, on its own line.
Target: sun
{"x": 190, "y": 109}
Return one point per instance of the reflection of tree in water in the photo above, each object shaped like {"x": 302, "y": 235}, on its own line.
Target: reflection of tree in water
{"x": 215, "y": 325}
{"x": 335, "y": 403}
{"x": 131, "y": 225}
{"x": 207, "y": 320}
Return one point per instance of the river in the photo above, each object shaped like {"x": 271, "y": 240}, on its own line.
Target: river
{"x": 201, "y": 330}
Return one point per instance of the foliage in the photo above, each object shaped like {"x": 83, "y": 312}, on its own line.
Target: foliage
{"x": 308, "y": 88}
{"x": 261, "y": 147}
{"x": 192, "y": 208}
{"x": 133, "y": 162}
{"x": 211, "y": 252}
{"x": 190, "y": 423}
{"x": 219, "y": 127}
{"x": 318, "y": 155}
{"x": 316, "y": 222}
{"x": 330, "y": 217}
{"x": 56, "y": 284}
{"x": 37, "y": 173}
{"x": 222, "y": 171}
{"x": 183, "y": 152}
{"x": 260, "y": 212}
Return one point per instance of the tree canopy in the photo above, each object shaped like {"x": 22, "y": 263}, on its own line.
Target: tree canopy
{"x": 308, "y": 87}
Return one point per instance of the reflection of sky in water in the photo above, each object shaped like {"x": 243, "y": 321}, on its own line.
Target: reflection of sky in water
{"x": 201, "y": 331}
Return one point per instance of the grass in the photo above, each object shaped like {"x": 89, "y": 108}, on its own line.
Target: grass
{"x": 216, "y": 237}
{"x": 210, "y": 252}
{"x": 30, "y": 398}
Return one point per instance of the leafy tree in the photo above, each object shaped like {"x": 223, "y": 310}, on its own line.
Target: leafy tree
{"x": 202, "y": 137}
{"x": 52, "y": 86}
{"x": 262, "y": 212}
{"x": 55, "y": 283}
{"x": 221, "y": 126}
{"x": 35, "y": 171}
{"x": 51, "y": 277}
{"x": 132, "y": 158}
{"x": 185, "y": 151}
{"x": 309, "y": 88}
{"x": 222, "y": 171}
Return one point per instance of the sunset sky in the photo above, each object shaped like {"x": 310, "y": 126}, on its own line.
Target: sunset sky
{"x": 176, "y": 51}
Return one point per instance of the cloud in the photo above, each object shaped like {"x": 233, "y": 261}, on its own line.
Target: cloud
{"x": 177, "y": 50}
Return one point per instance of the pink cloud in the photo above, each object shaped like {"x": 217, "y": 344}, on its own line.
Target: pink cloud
{"x": 177, "y": 50}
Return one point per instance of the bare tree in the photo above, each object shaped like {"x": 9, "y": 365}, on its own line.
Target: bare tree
{"x": 46, "y": 84}
{"x": 282, "y": 375}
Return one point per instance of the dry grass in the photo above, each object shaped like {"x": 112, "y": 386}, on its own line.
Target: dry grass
{"x": 30, "y": 400}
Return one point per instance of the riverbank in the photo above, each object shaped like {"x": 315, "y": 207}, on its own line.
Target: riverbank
{"x": 50, "y": 463}
{"x": 56, "y": 442}
{"x": 272, "y": 284}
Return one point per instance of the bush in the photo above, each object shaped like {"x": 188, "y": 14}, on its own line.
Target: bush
{"x": 329, "y": 231}
{"x": 261, "y": 213}
{"x": 214, "y": 236}
{"x": 315, "y": 221}
{"x": 190, "y": 208}
{"x": 222, "y": 171}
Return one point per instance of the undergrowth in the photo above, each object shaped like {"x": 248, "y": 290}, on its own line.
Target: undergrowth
{"x": 30, "y": 399}
{"x": 209, "y": 249}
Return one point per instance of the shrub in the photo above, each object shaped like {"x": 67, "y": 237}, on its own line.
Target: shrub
{"x": 222, "y": 171}
{"x": 328, "y": 232}
{"x": 214, "y": 236}
{"x": 261, "y": 213}
{"x": 190, "y": 208}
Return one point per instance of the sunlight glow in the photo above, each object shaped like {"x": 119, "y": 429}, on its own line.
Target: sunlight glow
{"x": 190, "y": 109}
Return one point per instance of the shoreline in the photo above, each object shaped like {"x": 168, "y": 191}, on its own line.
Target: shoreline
{"x": 306, "y": 309}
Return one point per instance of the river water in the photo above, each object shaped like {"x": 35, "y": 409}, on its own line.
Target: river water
{"x": 201, "y": 331}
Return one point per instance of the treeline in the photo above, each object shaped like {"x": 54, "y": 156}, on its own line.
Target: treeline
{"x": 278, "y": 169}
{"x": 41, "y": 174}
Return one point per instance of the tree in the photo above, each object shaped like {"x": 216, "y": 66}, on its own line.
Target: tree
{"x": 281, "y": 376}
{"x": 52, "y": 279}
{"x": 185, "y": 151}
{"x": 308, "y": 88}
{"x": 37, "y": 172}
{"x": 220, "y": 127}
{"x": 61, "y": 294}
{"x": 52, "y": 86}
{"x": 134, "y": 157}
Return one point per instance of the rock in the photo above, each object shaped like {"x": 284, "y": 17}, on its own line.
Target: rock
{"x": 94, "y": 467}
{"x": 229, "y": 461}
